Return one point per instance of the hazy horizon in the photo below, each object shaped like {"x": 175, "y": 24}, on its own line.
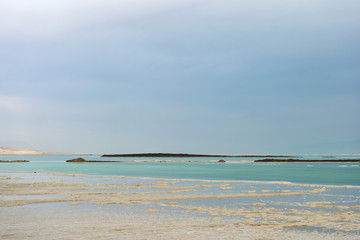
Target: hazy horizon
{"x": 235, "y": 77}
{"x": 41, "y": 152}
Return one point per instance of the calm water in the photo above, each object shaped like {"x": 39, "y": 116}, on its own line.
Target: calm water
{"x": 233, "y": 169}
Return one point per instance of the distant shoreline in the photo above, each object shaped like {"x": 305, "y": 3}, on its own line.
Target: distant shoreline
{"x": 289, "y": 160}
{"x": 186, "y": 155}
{"x": 307, "y": 161}
{"x": 13, "y": 161}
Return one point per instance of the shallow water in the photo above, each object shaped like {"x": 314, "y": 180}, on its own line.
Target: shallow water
{"x": 198, "y": 168}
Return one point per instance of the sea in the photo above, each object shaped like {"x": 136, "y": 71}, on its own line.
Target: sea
{"x": 203, "y": 168}
{"x": 320, "y": 199}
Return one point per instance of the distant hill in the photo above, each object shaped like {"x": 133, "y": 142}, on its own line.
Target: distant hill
{"x": 16, "y": 151}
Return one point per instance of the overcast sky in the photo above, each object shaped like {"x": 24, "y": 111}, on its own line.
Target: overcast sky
{"x": 229, "y": 76}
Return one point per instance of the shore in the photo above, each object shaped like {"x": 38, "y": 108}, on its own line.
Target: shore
{"x": 68, "y": 206}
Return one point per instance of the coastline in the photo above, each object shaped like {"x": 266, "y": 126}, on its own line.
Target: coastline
{"x": 234, "y": 199}
{"x": 169, "y": 208}
{"x": 285, "y": 183}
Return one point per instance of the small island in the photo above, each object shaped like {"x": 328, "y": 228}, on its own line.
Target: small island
{"x": 291, "y": 160}
{"x": 185, "y": 155}
{"x": 81, "y": 160}
{"x": 13, "y": 161}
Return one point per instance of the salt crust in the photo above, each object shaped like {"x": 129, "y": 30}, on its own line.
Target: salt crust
{"x": 24, "y": 220}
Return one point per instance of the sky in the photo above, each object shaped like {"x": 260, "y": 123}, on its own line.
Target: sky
{"x": 194, "y": 76}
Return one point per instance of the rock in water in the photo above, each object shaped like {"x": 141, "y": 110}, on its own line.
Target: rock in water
{"x": 221, "y": 160}
{"x": 77, "y": 160}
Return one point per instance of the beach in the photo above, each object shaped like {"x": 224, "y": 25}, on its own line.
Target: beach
{"x": 45, "y": 205}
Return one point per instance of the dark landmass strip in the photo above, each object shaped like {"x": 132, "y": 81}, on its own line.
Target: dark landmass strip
{"x": 13, "y": 161}
{"x": 184, "y": 155}
{"x": 306, "y": 161}
{"x": 291, "y": 160}
{"x": 81, "y": 160}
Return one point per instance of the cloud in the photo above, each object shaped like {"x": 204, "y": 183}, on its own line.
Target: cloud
{"x": 220, "y": 74}
{"x": 42, "y": 19}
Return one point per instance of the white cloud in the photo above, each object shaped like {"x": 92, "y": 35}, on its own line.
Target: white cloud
{"x": 40, "y": 18}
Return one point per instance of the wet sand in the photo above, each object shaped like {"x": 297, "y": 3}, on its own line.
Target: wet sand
{"x": 73, "y": 206}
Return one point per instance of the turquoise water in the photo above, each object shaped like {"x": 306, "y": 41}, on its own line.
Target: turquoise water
{"x": 203, "y": 168}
